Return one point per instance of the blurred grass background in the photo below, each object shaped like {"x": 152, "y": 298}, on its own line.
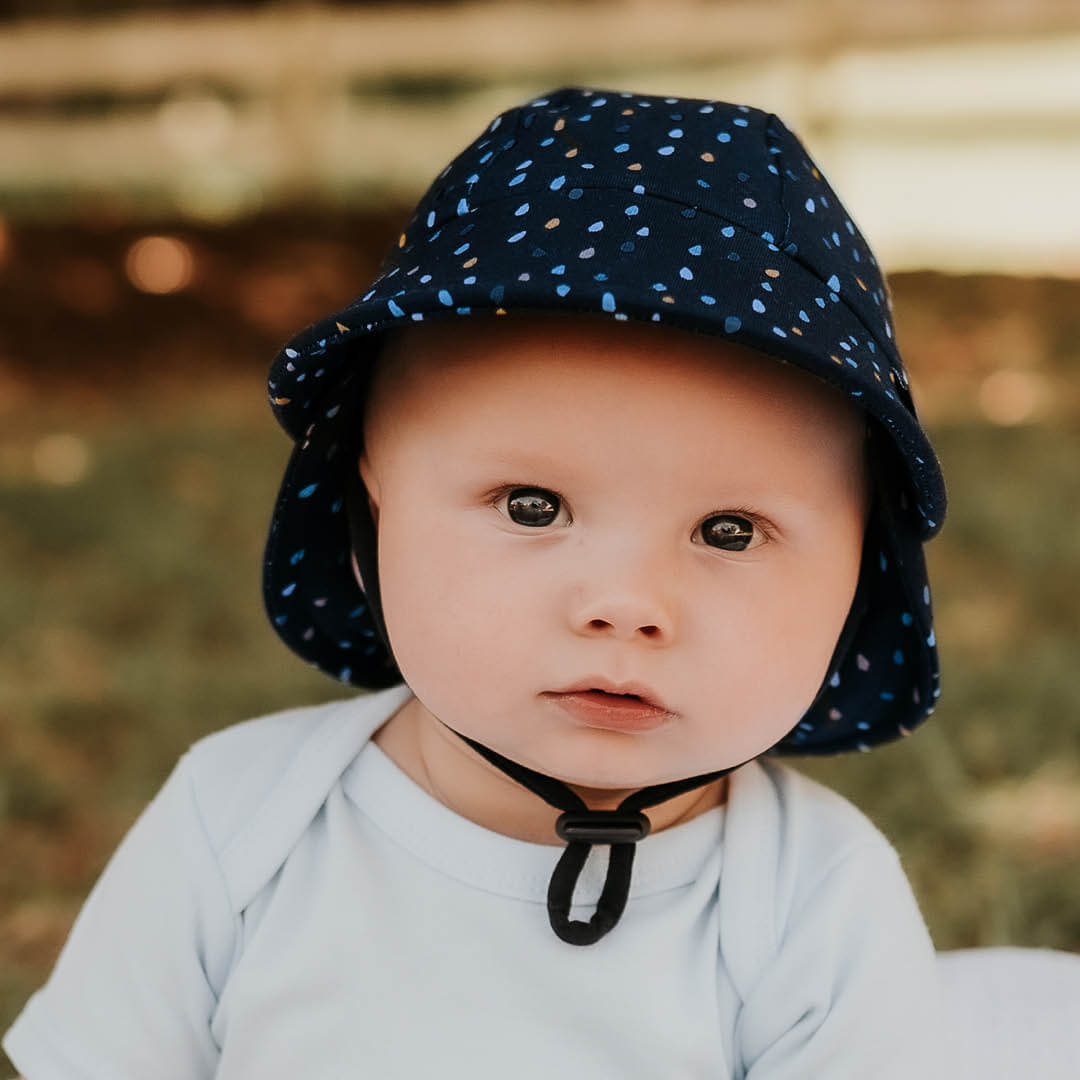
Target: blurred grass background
{"x": 139, "y": 462}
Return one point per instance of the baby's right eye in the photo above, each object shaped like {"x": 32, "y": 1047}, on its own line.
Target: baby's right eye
{"x": 532, "y": 506}
{"x": 732, "y": 532}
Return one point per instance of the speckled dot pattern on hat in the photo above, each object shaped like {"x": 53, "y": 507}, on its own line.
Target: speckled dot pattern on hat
{"x": 696, "y": 214}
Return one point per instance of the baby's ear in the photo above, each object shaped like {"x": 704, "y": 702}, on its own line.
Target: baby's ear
{"x": 367, "y": 475}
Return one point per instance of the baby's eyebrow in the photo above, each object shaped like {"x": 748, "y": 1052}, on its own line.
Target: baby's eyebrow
{"x": 520, "y": 458}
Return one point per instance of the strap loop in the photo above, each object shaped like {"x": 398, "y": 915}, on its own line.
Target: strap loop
{"x": 613, "y": 897}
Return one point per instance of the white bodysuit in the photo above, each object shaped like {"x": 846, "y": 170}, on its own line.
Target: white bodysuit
{"x": 292, "y": 905}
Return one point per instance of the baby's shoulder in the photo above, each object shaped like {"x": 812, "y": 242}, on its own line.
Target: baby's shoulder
{"x": 258, "y": 782}
{"x": 803, "y": 860}
{"x": 809, "y": 814}
{"x": 799, "y": 832}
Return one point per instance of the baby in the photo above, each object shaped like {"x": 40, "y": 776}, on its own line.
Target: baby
{"x": 611, "y": 486}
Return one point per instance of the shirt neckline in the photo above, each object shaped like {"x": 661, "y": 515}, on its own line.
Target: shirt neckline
{"x": 490, "y": 861}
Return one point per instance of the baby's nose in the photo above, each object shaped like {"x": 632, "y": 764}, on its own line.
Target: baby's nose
{"x": 628, "y": 603}
{"x": 624, "y": 627}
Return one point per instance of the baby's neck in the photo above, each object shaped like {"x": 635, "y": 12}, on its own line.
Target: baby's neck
{"x": 438, "y": 761}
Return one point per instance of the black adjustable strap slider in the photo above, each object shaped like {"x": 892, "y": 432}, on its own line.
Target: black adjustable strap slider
{"x": 603, "y": 826}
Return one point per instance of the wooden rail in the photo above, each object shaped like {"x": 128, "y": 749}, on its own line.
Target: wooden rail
{"x": 478, "y": 41}
{"x": 933, "y": 118}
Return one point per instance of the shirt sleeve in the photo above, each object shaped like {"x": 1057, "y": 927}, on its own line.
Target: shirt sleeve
{"x": 852, "y": 991}
{"x": 133, "y": 992}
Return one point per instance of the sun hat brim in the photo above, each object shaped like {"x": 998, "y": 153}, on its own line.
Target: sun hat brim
{"x": 801, "y": 319}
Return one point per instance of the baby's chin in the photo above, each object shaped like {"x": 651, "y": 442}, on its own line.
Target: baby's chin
{"x": 613, "y": 773}
{"x": 601, "y": 765}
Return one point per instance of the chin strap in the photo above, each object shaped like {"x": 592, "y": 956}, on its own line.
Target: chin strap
{"x": 581, "y": 827}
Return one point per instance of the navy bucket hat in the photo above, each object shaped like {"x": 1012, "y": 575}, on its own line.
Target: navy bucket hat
{"x": 695, "y": 214}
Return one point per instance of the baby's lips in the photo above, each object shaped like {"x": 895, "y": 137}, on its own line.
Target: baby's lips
{"x": 644, "y": 693}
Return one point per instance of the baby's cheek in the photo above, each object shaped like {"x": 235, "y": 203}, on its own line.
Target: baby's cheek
{"x": 443, "y": 618}
{"x": 763, "y": 653}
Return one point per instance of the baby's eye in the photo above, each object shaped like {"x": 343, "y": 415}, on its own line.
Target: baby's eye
{"x": 532, "y": 506}
{"x": 730, "y": 532}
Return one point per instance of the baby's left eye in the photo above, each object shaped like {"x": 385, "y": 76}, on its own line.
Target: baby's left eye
{"x": 730, "y": 532}
{"x": 536, "y": 507}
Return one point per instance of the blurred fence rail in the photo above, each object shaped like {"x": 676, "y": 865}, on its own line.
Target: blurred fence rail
{"x": 953, "y": 129}
{"x": 255, "y": 49}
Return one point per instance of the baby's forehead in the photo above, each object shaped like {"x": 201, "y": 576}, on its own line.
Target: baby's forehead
{"x": 559, "y": 384}
{"x": 539, "y": 347}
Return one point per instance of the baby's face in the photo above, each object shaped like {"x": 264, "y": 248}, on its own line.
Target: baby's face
{"x": 572, "y": 506}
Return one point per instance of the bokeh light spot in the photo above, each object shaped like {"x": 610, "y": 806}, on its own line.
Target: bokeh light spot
{"x": 61, "y": 459}
{"x": 1009, "y": 397}
{"x": 159, "y": 264}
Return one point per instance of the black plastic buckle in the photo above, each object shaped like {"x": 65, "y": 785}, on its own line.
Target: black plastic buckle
{"x": 603, "y": 826}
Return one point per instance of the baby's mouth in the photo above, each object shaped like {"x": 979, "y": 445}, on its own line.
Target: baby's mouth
{"x": 624, "y": 710}
{"x": 611, "y": 694}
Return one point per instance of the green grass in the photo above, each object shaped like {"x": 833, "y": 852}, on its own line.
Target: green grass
{"x": 132, "y": 624}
